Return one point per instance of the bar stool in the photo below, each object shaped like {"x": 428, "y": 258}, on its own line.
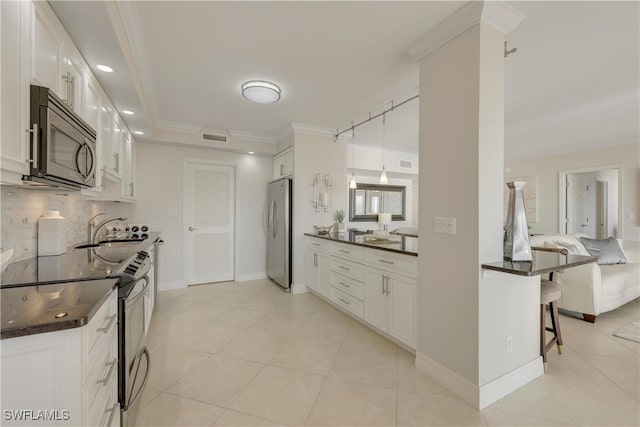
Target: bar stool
{"x": 550, "y": 293}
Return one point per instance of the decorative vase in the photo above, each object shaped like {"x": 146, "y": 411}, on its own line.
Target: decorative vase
{"x": 342, "y": 227}
{"x": 516, "y": 237}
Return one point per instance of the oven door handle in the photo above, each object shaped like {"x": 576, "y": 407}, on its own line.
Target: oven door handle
{"x": 140, "y": 294}
{"x": 144, "y": 382}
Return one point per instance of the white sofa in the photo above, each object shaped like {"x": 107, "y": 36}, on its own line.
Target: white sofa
{"x": 592, "y": 289}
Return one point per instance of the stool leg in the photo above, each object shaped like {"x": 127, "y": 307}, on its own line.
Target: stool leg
{"x": 555, "y": 320}
{"x": 543, "y": 343}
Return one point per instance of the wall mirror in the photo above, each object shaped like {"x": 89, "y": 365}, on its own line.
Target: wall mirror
{"x": 368, "y": 200}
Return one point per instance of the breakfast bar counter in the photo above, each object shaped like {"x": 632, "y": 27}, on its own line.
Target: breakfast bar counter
{"x": 394, "y": 243}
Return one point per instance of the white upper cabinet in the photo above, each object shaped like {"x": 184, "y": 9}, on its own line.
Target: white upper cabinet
{"x": 283, "y": 164}
{"x": 46, "y": 63}
{"x": 72, "y": 82}
{"x": 128, "y": 163}
{"x": 14, "y": 120}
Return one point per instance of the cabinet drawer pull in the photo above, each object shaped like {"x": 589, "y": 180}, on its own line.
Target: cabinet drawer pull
{"x": 385, "y": 261}
{"x": 113, "y": 413}
{"x": 344, "y": 252}
{"x": 109, "y": 323}
{"x": 344, "y": 284}
{"x": 344, "y": 301}
{"x": 111, "y": 366}
{"x": 344, "y": 268}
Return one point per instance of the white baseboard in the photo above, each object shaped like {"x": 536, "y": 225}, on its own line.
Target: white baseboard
{"x": 510, "y": 382}
{"x": 483, "y": 396}
{"x": 173, "y": 284}
{"x": 257, "y": 275}
{"x": 299, "y": 289}
{"x": 451, "y": 380}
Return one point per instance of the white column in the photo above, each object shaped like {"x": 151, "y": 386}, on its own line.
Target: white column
{"x": 461, "y": 314}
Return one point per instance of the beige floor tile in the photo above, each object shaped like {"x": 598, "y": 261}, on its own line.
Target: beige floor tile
{"x": 343, "y": 403}
{"x": 230, "y": 299}
{"x": 631, "y": 345}
{"x": 190, "y": 334}
{"x": 306, "y": 355}
{"x": 597, "y": 343}
{"x": 174, "y": 308}
{"x": 218, "y": 380}
{"x": 169, "y": 410}
{"x": 364, "y": 365}
{"x": 497, "y": 418}
{"x": 274, "y": 325}
{"x": 240, "y": 319}
{"x": 624, "y": 372}
{"x": 170, "y": 363}
{"x": 171, "y": 294}
{"x": 418, "y": 410}
{"x": 572, "y": 366}
{"x": 262, "y": 303}
{"x": 148, "y": 395}
{"x": 281, "y": 395}
{"x": 592, "y": 405}
{"x": 410, "y": 380}
{"x": 238, "y": 419}
{"x": 254, "y": 346}
{"x": 362, "y": 336}
{"x": 536, "y": 400}
{"x": 199, "y": 294}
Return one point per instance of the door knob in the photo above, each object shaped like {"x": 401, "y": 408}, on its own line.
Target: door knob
{"x": 193, "y": 228}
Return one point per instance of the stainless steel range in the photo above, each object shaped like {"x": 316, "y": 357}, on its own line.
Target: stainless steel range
{"x": 133, "y": 356}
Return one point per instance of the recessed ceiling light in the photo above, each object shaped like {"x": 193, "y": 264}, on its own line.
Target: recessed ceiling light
{"x": 251, "y": 152}
{"x": 104, "y": 68}
{"x": 128, "y": 112}
{"x": 60, "y": 315}
{"x": 261, "y": 91}
{"x": 137, "y": 132}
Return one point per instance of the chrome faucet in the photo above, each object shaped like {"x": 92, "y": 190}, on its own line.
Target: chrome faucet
{"x": 93, "y": 228}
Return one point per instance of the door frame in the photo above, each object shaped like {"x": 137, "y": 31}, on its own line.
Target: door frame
{"x": 186, "y": 161}
{"x": 562, "y": 195}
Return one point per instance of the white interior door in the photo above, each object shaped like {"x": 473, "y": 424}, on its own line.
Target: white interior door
{"x": 602, "y": 215}
{"x": 208, "y": 222}
{"x": 581, "y": 204}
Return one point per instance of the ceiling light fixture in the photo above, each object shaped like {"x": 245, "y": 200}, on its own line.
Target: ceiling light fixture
{"x": 137, "y": 132}
{"x": 104, "y": 68}
{"x": 383, "y": 175}
{"x": 261, "y": 91}
{"x": 128, "y": 112}
{"x": 353, "y": 184}
{"x": 251, "y": 152}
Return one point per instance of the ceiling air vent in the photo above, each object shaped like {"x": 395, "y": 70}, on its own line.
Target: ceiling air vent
{"x": 407, "y": 164}
{"x": 212, "y": 137}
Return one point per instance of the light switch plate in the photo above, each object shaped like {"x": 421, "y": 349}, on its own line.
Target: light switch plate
{"x": 445, "y": 225}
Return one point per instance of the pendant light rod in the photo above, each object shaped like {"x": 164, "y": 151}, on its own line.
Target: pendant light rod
{"x": 393, "y": 107}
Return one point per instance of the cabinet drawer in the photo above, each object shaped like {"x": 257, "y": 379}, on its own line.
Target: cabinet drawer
{"x": 348, "y": 285}
{"x": 350, "y": 252}
{"x": 105, "y": 406}
{"x": 101, "y": 372}
{"x": 348, "y": 302}
{"x": 319, "y": 244}
{"x": 99, "y": 329}
{"x": 348, "y": 268}
{"x": 406, "y": 265}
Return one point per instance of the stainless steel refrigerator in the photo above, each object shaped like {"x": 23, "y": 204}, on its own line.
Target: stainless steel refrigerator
{"x": 279, "y": 232}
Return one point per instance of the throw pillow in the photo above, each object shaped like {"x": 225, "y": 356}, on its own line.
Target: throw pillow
{"x": 608, "y": 250}
{"x": 559, "y": 244}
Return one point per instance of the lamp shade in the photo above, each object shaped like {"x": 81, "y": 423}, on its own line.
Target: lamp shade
{"x": 261, "y": 92}
{"x": 384, "y": 218}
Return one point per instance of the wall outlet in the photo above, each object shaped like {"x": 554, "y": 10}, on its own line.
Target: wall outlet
{"x": 509, "y": 343}
{"x": 445, "y": 225}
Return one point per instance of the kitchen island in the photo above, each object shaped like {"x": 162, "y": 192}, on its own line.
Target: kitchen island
{"x": 373, "y": 281}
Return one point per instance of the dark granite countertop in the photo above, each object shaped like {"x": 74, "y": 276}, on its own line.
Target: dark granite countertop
{"x": 395, "y": 243}
{"x": 29, "y": 310}
{"x": 542, "y": 263}
{"x": 74, "y": 265}
{"x": 34, "y": 290}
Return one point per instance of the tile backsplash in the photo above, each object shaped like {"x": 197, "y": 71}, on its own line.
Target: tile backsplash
{"x": 21, "y": 209}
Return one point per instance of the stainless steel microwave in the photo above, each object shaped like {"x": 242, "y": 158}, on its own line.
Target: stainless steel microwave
{"x": 63, "y": 145}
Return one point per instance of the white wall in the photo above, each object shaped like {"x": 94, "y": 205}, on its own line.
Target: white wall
{"x": 547, "y": 171}
{"x": 159, "y": 190}
{"x": 315, "y": 154}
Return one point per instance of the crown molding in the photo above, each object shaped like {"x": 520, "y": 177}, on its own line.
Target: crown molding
{"x": 312, "y": 130}
{"x": 498, "y": 14}
{"x": 251, "y": 136}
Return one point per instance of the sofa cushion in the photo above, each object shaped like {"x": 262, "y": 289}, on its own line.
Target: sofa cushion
{"x": 607, "y": 250}
{"x": 560, "y": 241}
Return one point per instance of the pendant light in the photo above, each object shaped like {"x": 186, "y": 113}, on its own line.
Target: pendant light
{"x": 352, "y": 184}
{"x": 383, "y": 175}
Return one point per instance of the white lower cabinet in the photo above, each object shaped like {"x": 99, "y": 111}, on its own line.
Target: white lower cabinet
{"x": 374, "y": 285}
{"x": 390, "y": 304}
{"x": 71, "y": 374}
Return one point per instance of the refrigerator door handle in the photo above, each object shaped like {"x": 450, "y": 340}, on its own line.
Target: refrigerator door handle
{"x": 275, "y": 220}
{"x": 269, "y": 215}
